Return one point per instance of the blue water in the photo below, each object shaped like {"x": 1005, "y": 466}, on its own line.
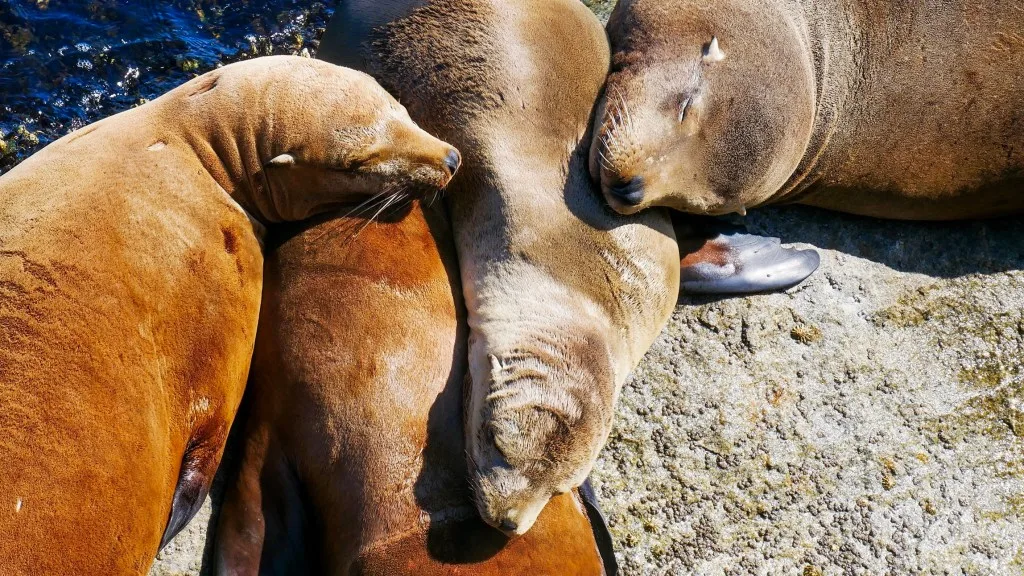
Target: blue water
{"x": 67, "y": 63}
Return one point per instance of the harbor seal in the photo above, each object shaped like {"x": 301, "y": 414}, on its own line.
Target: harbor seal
{"x": 905, "y": 111}
{"x": 563, "y": 296}
{"x": 354, "y": 457}
{"x": 130, "y": 282}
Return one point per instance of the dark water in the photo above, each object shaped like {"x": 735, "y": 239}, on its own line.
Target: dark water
{"x": 67, "y": 63}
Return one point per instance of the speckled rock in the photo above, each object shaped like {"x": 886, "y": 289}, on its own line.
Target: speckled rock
{"x": 870, "y": 421}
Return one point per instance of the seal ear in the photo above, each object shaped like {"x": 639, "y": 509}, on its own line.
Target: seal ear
{"x": 605, "y": 544}
{"x": 282, "y": 160}
{"x": 712, "y": 53}
{"x": 684, "y": 108}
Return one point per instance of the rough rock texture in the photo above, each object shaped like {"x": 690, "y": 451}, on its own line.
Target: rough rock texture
{"x": 870, "y": 421}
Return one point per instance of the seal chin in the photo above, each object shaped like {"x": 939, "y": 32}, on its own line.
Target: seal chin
{"x": 504, "y": 507}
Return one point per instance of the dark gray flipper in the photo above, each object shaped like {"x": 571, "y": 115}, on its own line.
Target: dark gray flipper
{"x": 605, "y": 544}
{"x": 731, "y": 261}
{"x": 189, "y": 495}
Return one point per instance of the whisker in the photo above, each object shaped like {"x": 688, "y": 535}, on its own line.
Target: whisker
{"x": 389, "y": 201}
{"x": 630, "y": 126}
{"x": 364, "y": 207}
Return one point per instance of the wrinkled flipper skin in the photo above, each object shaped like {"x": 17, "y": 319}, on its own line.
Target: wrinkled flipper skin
{"x": 189, "y": 495}
{"x": 603, "y": 537}
{"x": 722, "y": 258}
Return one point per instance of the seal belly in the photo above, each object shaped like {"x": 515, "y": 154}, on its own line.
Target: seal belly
{"x": 111, "y": 366}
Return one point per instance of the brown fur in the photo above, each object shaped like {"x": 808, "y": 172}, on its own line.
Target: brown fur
{"x": 130, "y": 282}
{"x": 909, "y": 110}
{"x": 563, "y": 298}
{"x": 354, "y": 463}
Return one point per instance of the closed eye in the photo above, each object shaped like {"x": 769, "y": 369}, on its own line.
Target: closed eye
{"x": 683, "y": 109}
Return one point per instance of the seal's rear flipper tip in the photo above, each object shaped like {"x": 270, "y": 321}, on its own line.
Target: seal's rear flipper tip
{"x": 190, "y": 493}
{"x": 736, "y": 263}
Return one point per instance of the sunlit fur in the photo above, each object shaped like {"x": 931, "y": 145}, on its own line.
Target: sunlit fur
{"x": 354, "y": 455}
{"x": 703, "y": 135}
{"x": 563, "y": 296}
{"x": 896, "y": 112}
{"x": 131, "y": 270}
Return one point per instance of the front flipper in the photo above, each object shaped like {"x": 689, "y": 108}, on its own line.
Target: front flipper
{"x": 725, "y": 259}
{"x": 603, "y": 537}
{"x": 197, "y": 470}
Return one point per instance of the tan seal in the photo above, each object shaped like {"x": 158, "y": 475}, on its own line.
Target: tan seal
{"x": 354, "y": 460}
{"x": 130, "y": 283}
{"x": 912, "y": 111}
{"x": 563, "y": 297}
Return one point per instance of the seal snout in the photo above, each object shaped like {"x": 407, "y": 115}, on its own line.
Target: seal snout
{"x": 629, "y": 192}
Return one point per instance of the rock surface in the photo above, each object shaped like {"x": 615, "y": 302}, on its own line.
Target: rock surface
{"x": 870, "y": 421}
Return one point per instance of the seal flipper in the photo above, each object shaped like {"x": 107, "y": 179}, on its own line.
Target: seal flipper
{"x": 722, "y": 258}
{"x": 194, "y": 482}
{"x": 603, "y": 537}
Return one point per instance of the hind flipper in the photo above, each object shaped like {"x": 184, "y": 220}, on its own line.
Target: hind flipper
{"x": 241, "y": 527}
{"x": 603, "y": 537}
{"x": 725, "y": 259}
{"x": 263, "y": 524}
{"x": 198, "y": 467}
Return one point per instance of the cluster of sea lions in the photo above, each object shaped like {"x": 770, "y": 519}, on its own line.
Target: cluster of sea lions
{"x": 131, "y": 265}
{"x": 431, "y": 382}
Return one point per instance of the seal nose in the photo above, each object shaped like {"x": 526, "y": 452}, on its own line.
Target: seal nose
{"x": 452, "y": 161}
{"x": 508, "y": 527}
{"x": 630, "y": 192}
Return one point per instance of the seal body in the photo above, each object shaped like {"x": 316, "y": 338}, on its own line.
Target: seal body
{"x": 130, "y": 283}
{"x": 354, "y": 457}
{"x": 910, "y": 110}
{"x": 563, "y": 297}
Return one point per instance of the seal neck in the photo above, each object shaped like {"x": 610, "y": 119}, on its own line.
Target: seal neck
{"x": 227, "y": 145}
{"x": 824, "y": 41}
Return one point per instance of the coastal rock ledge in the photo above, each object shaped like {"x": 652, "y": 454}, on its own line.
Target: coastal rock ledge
{"x": 870, "y": 421}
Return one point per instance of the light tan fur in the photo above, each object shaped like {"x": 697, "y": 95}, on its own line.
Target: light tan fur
{"x": 563, "y": 297}
{"x": 130, "y": 282}
{"x": 907, "y": 110}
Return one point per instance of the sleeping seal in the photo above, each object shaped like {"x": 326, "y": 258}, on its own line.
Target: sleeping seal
{"x": 354, "y": 460}
{"x": 130, "y": 282}
{"x": 563, "y": 296}
{"x": 906, "y": 110}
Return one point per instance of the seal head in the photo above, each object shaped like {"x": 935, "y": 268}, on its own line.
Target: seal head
{"x": 308, "y": 136}
{"x": 694, "y": 116}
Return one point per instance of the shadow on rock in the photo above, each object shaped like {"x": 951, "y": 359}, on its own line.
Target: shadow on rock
{"x": 938, "y": 249}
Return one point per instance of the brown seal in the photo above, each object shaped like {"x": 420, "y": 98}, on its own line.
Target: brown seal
{"x": 563, "y": 297}
{"x": 130, "y": 282}
{"x": 354, "y": 458}
{"x": 907, "y": 110}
